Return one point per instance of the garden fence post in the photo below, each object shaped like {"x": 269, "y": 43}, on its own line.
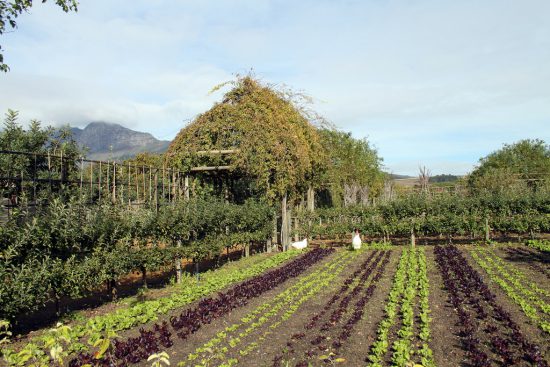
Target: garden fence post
{"x": 99, "y": 182}
{"x": 114, "y": 183}
{"x": 91, "y": 180}
{"x": 487, "y": 230}
{"x": 179, "y": 272}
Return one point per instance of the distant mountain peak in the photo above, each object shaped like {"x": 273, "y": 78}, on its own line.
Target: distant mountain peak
{"x": 95, "y": 124}
{"x": 107, "y": 140}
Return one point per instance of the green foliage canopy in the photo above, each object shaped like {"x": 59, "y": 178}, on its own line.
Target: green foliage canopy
{"x": 516, "y": 166}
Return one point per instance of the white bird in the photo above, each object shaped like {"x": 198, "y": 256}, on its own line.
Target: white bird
{"x": 300, "y": 245}
{"x": 356, "y": 242}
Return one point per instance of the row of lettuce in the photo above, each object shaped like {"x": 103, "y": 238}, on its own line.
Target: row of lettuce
{"x": 446, "y": 215}
{"x": 97, "y": 333}
{"x": 71, "y": 250}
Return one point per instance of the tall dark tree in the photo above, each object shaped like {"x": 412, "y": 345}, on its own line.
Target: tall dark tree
{"x": 354, "y": 168}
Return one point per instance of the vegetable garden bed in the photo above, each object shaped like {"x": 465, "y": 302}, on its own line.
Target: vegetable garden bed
{"x": 380, "y": 306}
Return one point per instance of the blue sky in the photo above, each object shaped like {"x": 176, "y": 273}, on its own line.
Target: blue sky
{"x": 434, "y": 83}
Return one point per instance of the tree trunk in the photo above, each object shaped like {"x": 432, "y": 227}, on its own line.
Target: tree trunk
{"x": 268, "y": 245}
{"x": 364, "y": 193}
{"x": 288, "y": 228}
{"x": 114, "y": 291}
{"x": 57, "y": 305}
{"x": 144, "y": 276}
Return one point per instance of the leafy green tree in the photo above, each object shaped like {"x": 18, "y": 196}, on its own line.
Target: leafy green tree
{"x": 10, "y": 10}
{"x": 525, "y": 164}
{"x": 350, "y": 162}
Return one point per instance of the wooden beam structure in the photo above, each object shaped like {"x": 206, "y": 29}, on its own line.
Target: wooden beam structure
{"x": 214, "y": 152}
{"x": 210, "y": 168}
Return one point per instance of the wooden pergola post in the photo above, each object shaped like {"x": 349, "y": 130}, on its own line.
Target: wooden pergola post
{"x": 310, "y": 199}
{"x": 186, "y": 188}
{"x": 284, "y": 223}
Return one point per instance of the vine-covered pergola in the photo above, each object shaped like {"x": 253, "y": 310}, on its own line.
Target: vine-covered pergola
{"x": 256, "y": 142}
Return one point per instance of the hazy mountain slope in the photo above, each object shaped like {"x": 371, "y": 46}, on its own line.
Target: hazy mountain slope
{"x": 111, "y": 141}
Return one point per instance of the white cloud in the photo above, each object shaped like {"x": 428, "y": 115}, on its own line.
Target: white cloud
{"x": 161, "y": 104}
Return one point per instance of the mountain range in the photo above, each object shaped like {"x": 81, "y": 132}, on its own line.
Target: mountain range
{"x": 107, "y": 141}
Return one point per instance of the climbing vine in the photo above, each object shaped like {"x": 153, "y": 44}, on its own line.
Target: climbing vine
{"x": 278, "y": 147}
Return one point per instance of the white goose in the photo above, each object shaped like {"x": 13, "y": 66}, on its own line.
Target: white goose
{"x": 300, "y": 245}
